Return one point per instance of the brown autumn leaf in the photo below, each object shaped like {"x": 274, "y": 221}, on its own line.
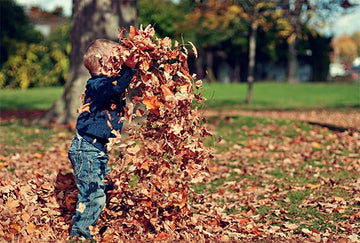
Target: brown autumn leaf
{"x": 12, "y": 204}
{"x": 166, "y": 91}
{"x": 30, "y": 228}
{"x": 311, "y": 186}
{"x": 152, "y": 104}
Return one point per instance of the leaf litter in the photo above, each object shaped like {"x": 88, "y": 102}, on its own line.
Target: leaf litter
{"x": 267, "y": 181}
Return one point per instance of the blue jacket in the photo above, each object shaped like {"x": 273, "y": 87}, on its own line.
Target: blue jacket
{"x": 103, "y": 107}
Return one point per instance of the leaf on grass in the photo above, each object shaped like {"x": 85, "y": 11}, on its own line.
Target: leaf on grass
{"x": 290, "y": 226}
{"x": 313, "y": 187}
{"x": 316, "y": 145}
{"x": 163, "y": 236}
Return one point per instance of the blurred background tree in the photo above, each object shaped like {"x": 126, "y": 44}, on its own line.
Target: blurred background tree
{"x": 346, "y": 47}
{"x": 228, "y": 31}
{"x": 356, "y": 38}
{"x": 15, "y": 27}
{"x": 162, "y": 14}
{"x": 91, "y": 19}
{"x": 237, "y": 41}
{"x": 304, "y": 15}
{"x": 28, "y": 58}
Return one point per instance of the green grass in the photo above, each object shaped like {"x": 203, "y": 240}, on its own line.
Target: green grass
{"x": 283, "y": 96}
{"x": 34, "y": 98}
{"x": 226, "y": 96}
{"x": 18, "y": 135}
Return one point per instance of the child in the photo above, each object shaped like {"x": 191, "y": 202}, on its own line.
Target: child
{"x": 99, "y": 120}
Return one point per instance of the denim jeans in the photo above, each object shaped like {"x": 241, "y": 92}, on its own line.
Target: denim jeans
{"x": 90, "y": 166}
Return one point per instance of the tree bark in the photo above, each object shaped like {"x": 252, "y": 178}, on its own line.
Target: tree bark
{"x": 236, "y": 72}
{"x": 210, "y": 67}
{"x": 91, "y": 19}
{"x": 292, "y": 62}
{"x": 252, "y": 53}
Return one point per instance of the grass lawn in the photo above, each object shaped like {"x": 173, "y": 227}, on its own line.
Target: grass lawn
{"x": 283, "y": 96}
{"x": 225, "y": 96}
{"x": 34, "y": 98}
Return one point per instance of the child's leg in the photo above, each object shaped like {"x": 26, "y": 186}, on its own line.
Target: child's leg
{"x": 90, "y": 168}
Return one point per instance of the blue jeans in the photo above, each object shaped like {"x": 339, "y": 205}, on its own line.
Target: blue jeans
{"x": 90, "y": 166}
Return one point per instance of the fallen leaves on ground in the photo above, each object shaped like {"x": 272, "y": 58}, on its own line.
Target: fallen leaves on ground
{"x": 267, "y": 182}
{"x": 290, "y": 178}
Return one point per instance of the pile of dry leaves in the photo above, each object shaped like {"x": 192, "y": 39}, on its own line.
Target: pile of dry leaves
{"x": 162, "y": 155}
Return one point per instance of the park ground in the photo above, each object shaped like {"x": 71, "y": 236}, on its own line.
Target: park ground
{"x": 277, "y": 176}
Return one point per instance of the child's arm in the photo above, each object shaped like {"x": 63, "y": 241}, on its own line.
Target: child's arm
{"x": 103, "y": 90}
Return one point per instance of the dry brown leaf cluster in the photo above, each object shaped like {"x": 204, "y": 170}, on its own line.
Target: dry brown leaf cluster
{"x": 36, "y": 200}
{"x": 162, "y": 155}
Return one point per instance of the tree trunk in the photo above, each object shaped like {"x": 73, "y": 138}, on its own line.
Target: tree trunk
{"x": 236, "y": 72}
{"x": 91, "y": 19}
{"x": 199, "y": 67}
{"x": 292, "y": 62}
{"x": 252, "y": 53}
{"x": 210, "y": 67}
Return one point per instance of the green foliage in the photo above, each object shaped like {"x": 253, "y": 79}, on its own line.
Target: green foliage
{"x": 27, "y": 58}
{"x": 20, "y": 69}
{"x": 15, "y": 26}
{"x": 37, "y": 64}
{"x": 162, "y": 14}
{"x": 212, "y": 23}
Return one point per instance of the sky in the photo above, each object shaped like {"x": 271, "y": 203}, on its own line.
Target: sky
{"x": 344, "y": 24}
{"x": 348, "y": 23}
{"x": 49, "y": 5}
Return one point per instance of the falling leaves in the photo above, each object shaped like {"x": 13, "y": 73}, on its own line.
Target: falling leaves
{"x": 164, "y": 153}
{"x": 152, "y": 104}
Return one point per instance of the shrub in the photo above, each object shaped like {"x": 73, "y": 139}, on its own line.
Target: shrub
{"x": 37, "y": 64}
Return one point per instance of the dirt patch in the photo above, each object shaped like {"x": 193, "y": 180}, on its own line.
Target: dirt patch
{"x": 12, "y": 115}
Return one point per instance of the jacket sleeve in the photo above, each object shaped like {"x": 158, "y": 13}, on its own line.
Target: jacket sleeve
{"x": 104, "y": 89}
{"x": 124, "y": 81}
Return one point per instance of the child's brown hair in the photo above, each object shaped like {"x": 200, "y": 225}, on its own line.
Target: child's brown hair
{"x": 95, "y": 51}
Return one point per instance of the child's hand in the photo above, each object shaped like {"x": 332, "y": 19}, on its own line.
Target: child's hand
{"x": 132, "y": 61}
